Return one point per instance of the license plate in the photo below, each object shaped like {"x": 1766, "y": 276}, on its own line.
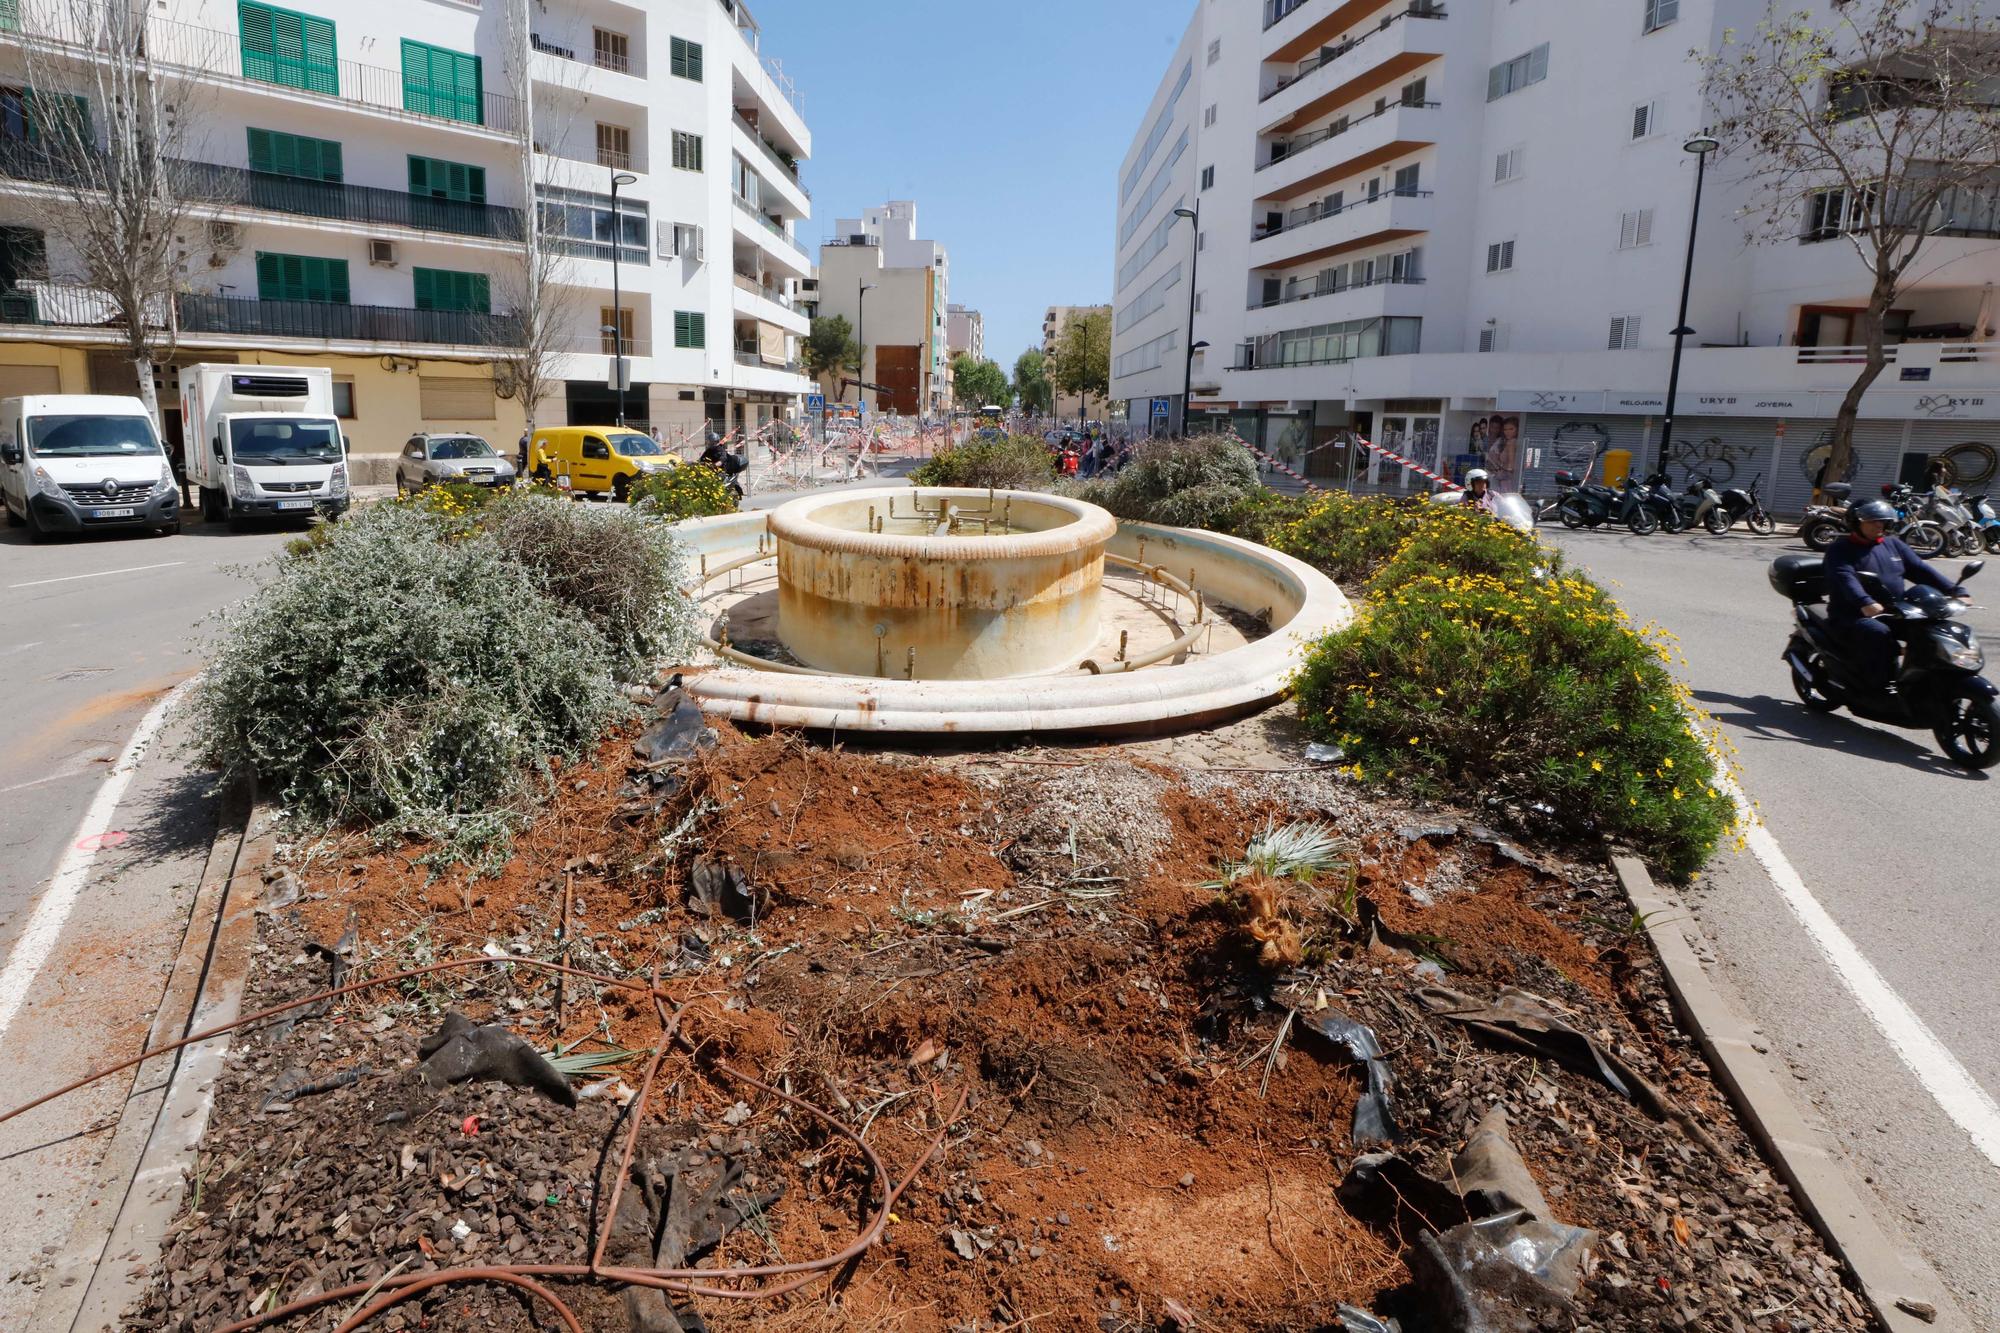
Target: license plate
{"x": 113, "y": 513}
{"x": 289, "y": 504}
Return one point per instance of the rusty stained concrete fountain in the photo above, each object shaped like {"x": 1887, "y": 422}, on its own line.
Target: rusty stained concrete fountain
{"x": 929, "y": 586}
{"x": 956, "y": 610}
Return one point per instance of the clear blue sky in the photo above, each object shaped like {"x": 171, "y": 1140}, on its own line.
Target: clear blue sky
{"x": 1006, "y": 124}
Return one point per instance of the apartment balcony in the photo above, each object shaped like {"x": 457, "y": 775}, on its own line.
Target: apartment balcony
{"x": 1295, "y": 29}
{"x": 212, "y": 55}
{"x": 587, "y": 73}
{"x": 1346, "y": 148}
{"x": 229, "y": 320}
{"x": 754, "y": 374}
{"x": 1409, "y": 38}
{"x": 769, "y": 305}
{"x": 1310, "y": 233}
{"x": 1390, "y": 294}
{"x": 781, "y": 176}
{"x": 233, "y": 189}
{"x": 761, "y": 231}
{"x": 762, "y": 81}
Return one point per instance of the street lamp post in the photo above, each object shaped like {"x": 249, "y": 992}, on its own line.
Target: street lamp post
{"x": 1194, "y": 271}
{"x": 861, "y": 340}
{"x": 619, "y": 374}
{"x": 1701, "y": 146}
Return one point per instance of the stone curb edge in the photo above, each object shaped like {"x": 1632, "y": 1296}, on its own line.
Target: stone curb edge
{"x": 146, "y": 1172}
{"x": 1808, "y": 1162}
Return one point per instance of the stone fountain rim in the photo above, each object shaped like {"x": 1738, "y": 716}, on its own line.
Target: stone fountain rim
{"x": 1090, "y": 526}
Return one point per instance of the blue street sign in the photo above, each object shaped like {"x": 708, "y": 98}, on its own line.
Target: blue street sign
{"x": 1162, "y": 407}
{"x": 815, "y": 402}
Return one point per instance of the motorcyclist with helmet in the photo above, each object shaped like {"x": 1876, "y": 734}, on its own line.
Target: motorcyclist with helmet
{"x": 1479, "y": 491}
{"x": 1852, "y": 611}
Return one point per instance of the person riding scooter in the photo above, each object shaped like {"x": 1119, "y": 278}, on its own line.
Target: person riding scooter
{"x": 1478, "y": 491}
{"x": 1853, "y": 612}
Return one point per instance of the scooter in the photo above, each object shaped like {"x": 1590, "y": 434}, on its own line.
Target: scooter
{"x": 1946, "y": 508}
{"x": 1738, "y": 505}
{"x": 1939, "y": 687}
{"x": 1660, "y": 501}
{"x": 1636, "y": 508}
{"x": 1584, "y": 504}
{"x": 1988, "y": 520}
{"x": 1823, "y": 525}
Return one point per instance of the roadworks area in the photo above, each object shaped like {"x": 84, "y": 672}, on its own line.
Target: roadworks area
{"x": 1025, "y": 1039}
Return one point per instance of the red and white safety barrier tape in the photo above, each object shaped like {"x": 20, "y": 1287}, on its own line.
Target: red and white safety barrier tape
{"x": 1389, "y": 454}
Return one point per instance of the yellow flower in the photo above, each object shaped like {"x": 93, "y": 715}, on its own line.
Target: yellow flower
{"x": 1597, "y": 765}
{"x": 1413, "y": 740}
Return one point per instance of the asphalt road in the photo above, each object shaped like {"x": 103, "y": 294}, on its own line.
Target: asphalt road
{"x": 1894, "y": 842}
{"x": 92, "y": 633}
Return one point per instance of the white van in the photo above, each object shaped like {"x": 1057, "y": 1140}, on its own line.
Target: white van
{"x": 263, "y": 441}
{"x": 83, "y": 463}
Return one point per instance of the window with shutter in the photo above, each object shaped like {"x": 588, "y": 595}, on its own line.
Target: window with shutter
{"x": 301, "y": 278}
{"x": 1488, "y": 338}
{"x": 623, "y": 322}
{"x": 1635, "y": 229}
{"x": 611, "y": 50}
{"x": 1642, "y": 121}
{"x": 287, "y": 48}
{"x": 443, "y": 83}
{"x": 684, "y": 59}
{"x": 444, "y": 289}
{"x": 614, "y": 147}
{"x": 437, "y": 179}
{"x": 279, "y": 154}
{"x": 690, "y": 329}
{"x": 1499, "y": 256}
{"x": 1624, "y": 332}
{"x": 1406, "y": 179}
{"x": 687, "y": 151}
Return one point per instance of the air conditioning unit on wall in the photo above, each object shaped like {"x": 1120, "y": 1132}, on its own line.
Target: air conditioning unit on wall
{"x": 382, "y": 254}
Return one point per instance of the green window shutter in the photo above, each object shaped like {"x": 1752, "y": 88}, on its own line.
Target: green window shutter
{"x": 423, "y": 288}
{"x": 334, "y": 284}
{"x": 479, "y": 297}
{"x": 420, "y": 175}
{"x": 680, "y": 328}
{"x": 301, "y": 278}
{"x": 331, "y": 167}
{"x": 475, "y": 185}
{"x": 292, "y": 49}
{"x": 261, "y": 158}
{"x": 281, "y": 154}
{"x": 694, "y": 61}
{"x": 439, "y": 179}
{"x": 438, "y": 82}
{"x": 690, "y": 329}
{"x": 443, "y": 289}
{"x": 10, "y": 15}
{"x": 684, "y": 59}
{"x": 269, "y": 278}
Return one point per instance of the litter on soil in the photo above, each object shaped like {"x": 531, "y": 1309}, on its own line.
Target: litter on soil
{"x": 1134, "y": 1133}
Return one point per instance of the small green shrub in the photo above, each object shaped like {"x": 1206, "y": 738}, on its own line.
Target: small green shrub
{"x": 1535, "y": 693}
{"x": 1449, "y": 539}
{"x": 621, "y": 571}
{"x": 393, "y": 677}
{"x": 1013, "y": 462}
{"x": 1193, "y": 483}
{"x": 1346, "y": 537}
{"x": 694, "y": 491}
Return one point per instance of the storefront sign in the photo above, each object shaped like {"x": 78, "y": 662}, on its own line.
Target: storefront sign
{"x": 1635, "y": 404}
{"x": 1551, "y": 400}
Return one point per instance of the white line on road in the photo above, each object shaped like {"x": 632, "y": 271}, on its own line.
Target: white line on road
{"x": 38, "y": 940}
{"x": 1942, "y": 1076}
{"x": 100, "y": 574}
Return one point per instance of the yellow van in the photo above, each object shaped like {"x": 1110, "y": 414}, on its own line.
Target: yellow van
{"x": 596, "y": 458}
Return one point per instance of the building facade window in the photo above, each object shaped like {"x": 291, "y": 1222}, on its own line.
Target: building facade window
{"x": 1208, "y": 116}
{"x": 611, "y": 50}
{"x": 287, "y": 48}
{"x": 1147, "y": 356}
{"x": 435, "y": 178}
{"x": 614, "y": 146}
{"x": 690, "y": 329}
{"x": 1635, "y": 229}
{"x": 1624, "y": 333}
{"x": 687, "y": 151}
{"x": 1659, "y": 13}
{"x": 277, "y": 154}
{"x": 1646, "y": 120}
{"x": 1329, "y": 344}
{"x": 580, "y": 223}
{"x": 446, "y": 289}
{"x": 444, "y": 83}
{"x": 1523, "y": 71}
{"x": 1208, "y": 178}
{"x": 1499, "y": 256}
{"x": 620, "y": 320}
{"x": 684, "y": 59}
{"x": 1215, "y": 51}
{"x": 1830, "y": 213}
{"x": 1509, "y": 165}
{"x": 301, "y": 278}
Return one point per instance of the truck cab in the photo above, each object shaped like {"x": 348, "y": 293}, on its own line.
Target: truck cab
{"x": 264, "y": 442}
{"x": 84, "y": 463}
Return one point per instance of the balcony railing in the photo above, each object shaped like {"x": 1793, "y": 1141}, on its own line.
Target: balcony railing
{"x": 49, "y": 305}
{"x": 1314, "y": 212}
{"x": 614, "y": 61}
{"x": 791, "y": 169}
{"x": 214, "y": 54}
{"x": 1966, "y": 211}
{"x": 1290, "y": 148}
{"x": 1326, "y": 55}
{"x": 1385, "y": 280}
{"x": 770, "y": 226}
{"x": 1277, "y": 11}
{"x": 755, "y": 359}
{"x": 208, "y": 184}
{"x": 345, "y": 323}
{"x": 745, "y": 282}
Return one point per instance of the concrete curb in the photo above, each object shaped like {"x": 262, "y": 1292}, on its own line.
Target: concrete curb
{"x": 1892, "y": 1279}
{"x": 144, "y": 1174}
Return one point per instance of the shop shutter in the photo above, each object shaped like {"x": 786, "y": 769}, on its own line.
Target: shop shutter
{"x": 455, "y": 398}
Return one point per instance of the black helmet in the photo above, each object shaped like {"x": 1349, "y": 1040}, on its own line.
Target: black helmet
{"x": 1874, "y": 511}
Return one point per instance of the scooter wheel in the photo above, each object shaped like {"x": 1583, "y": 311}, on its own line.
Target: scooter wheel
{"x": 1927, "y": 539}
{"x": 1716, "y": 522}
{"x": 1813, "y": 693}
{"x": 1761, "y": 523}
{"x": 1993, "y": 541}
{"x": 1821, "y": 533}
{"x": 1642, "y": 523}
{"x": 1970, "y": 735}
{"x": 1571, "y": 519}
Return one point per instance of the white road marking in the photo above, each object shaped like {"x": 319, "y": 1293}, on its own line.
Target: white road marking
{"x": 43, "y": 782}
{"x": 100, "y": 574}
{"x": 38, "y": 938}
{"x": 1936, "y": 1068}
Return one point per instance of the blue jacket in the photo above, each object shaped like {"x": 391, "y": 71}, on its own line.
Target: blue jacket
{"x": 1890, "y": 559}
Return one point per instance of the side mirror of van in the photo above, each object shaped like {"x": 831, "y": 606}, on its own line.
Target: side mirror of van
{"x": 10, "y": 454}
{"x": 215, "y": 446}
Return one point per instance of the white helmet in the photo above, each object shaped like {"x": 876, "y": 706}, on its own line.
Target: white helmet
{"x": 1477, "y": 474}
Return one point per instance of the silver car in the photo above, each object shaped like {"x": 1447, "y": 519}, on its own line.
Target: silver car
{"x": 428, "y": 460}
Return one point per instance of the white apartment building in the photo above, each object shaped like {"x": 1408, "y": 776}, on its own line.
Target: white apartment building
{"x": 366, "y": 168}
{"x": 893, "y": 286}
{"x": 1458, "y": 228}
{"x": 964, "y": 332}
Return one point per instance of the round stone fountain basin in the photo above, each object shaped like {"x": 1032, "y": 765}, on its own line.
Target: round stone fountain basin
{"x": 939, "y": 584}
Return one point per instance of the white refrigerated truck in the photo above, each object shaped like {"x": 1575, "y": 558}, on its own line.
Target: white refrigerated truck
{"x": 263, "y": 441}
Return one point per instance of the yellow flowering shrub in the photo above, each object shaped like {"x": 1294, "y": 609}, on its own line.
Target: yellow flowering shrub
{"x": 694, "y": 491}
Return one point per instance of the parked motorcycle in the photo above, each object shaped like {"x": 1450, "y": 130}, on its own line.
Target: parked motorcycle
{"x": 1736, "y": 505}
{"x": 1584, "y": 504}
{"x": 1946, "y": 508}
{"x": 1939, "y": 687}
{"x": 1989, "y": 521}
{"x": 1663, "y": 504}
{"x": 1825, "y": 524}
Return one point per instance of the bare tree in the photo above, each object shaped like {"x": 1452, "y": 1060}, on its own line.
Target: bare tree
{"x": 106, "y": 138}
{"x": 534, "y": 285}
{"x": 1879, "y": 129}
